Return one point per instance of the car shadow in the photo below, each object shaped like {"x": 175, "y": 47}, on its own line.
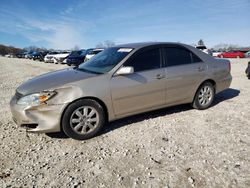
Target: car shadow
{"x": 222, "y": 96}
{"x": 225, "y": 95}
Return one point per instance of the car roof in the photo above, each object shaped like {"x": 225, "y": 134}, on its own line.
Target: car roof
{"x": 145, "y": 44}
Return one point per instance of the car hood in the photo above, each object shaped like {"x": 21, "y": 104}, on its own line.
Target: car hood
{"x": 52, "y": 80}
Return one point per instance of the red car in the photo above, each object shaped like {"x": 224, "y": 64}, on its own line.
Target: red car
{"x": 232, "y": 55}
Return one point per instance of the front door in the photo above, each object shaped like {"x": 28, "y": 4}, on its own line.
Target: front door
{"x": 142, "y": 90}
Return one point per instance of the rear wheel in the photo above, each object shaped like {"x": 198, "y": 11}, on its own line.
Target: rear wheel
{"x": 204, "y": 96}
{"x": 83, "y": 119}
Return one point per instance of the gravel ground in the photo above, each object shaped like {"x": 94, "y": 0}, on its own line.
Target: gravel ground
{"x": 172, "y": 147}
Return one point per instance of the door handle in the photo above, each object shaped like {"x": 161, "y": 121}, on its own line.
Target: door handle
{"x": 200, "y": 69}
{"x": 160, "y": 76}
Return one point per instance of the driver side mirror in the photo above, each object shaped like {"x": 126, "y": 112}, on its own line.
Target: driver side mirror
{"x": 125, "y": 71}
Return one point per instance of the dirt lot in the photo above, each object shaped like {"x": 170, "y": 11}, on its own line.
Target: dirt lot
{"x": 172, "y": 147}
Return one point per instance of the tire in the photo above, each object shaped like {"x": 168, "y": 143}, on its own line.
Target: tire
{"x": 83, "y": 119}
{"x": 204, "y": 96}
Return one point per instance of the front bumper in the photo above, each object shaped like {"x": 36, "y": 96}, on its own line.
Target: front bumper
{"x": 40, "y": 119}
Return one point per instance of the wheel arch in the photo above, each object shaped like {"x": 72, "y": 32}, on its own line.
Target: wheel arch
{"x": 99, "y": 101}
{"x": 207, "y": 80}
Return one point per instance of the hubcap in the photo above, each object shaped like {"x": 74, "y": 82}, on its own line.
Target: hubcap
{"x": 84, "y": 120}
{"x": 205, "y": 95}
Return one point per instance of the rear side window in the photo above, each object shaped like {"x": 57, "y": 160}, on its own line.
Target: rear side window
{"x": 177, "y": 56}
{"x": 180, "y": 56}
{"x": 147, "y": 60}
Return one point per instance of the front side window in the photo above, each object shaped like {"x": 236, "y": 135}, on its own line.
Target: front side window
{"x": 147, "y": 60}
{"x": 177, "y": 56}
{"x": 195, "y": 58}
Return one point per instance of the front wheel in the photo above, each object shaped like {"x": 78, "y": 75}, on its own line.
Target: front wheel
{"x": 204, "y": 96}
{"x": 83, "y": 119}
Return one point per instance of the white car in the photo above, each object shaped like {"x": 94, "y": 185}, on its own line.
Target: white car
{"x": 61, "y": 56}
{"x": 8, "y": 55}
{"x": 204, "y": 49}
{"x": 93, "y": 53}
{"x": 216, "y": 53}
{"x": 49, "y": 58}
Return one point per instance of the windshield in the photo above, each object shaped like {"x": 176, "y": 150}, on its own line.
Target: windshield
{"x": 94, "y": 52}
{"x": 106, "y": 60}
{"x": 78, "y": 53}
{"x": 52, "y": 53}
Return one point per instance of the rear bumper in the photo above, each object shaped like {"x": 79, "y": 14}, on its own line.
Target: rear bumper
{"x": 223, "y": 84}
{"x": 39, "y": 119}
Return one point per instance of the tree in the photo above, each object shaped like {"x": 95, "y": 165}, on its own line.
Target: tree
{"x": 34, "y": 48}
{"x": 109, "y": 43}
{"x": 200, "y": 42}
{"x": 225, "y": 47}
{"x": 76, "y": 48}
{"x": 100, "y": 45}
{"x": 8, "y": 50}
{"x": 105, "y": 44}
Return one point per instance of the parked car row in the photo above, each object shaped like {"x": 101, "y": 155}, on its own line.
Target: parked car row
{"x": 64, "y": 57}
{"x": 231, "y": 54}
{"x": 222, "y": 54}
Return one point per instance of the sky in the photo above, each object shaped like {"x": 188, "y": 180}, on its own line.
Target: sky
{"x": 64, "y": 24}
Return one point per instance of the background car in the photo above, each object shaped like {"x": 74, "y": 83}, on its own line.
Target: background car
{"x": 247, "y": 54}
{"x": 204, "y": 49}
{"x": 29, "y": 55}
{"x": 49, "y": 58}
{"x": 21, "y": 54}
{"x": 92, "y": 53}
{"x": 9, "y": 55}
{"x": 39, "y": 55}
{"x": 215, "y": 53}
{"x": 77, "y": 57}
{"x": 61, "y": 56}
{"x": 232, "y": 54}
{"x": 248, "y": 70}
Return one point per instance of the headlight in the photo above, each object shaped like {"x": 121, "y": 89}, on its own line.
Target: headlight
{"x": 36, "y": 98}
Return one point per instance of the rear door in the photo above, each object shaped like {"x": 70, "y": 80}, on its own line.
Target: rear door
{"x": 184, "y": 72}
{"x": 142, "y": 90}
